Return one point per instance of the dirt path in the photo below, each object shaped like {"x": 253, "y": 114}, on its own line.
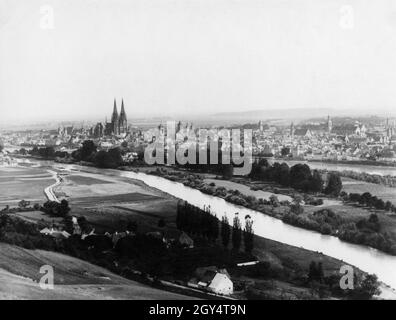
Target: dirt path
{"x": 49, "y": 191}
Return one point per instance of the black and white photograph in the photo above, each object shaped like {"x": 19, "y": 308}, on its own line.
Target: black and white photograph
{"x": 219, "y": 151}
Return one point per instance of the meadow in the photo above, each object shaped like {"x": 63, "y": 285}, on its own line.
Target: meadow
{"x": 383, "y": 192}
{"x": 23, "y": 184}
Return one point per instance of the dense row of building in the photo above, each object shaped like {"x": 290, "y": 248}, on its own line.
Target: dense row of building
{"x": 339, "y": 139}
{"x": 327, "y": 141}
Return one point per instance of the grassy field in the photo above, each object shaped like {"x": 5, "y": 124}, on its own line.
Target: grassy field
{"x": 38, "y": 216}
{"x": 383, "y": 192}
{"x": 23, "y": 183}
{"x": 246, "y": 190}
{"x": 73, "y": 278}
{"x": 110, "y": 202}
{"x": 87, "y": 181}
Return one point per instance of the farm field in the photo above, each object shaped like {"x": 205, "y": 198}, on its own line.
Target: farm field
{"x": 109, "y": 202}
{"x": 23, "y": 183}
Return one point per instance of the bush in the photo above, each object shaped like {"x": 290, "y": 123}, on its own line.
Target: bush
{"x": 326, "y": 229}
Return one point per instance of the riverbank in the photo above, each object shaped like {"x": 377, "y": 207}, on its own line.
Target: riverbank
{"x": 365, "y": 258}
{"x": 329, "y": 218}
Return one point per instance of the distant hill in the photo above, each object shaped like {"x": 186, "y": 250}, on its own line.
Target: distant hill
{"x": 298, "y": 113}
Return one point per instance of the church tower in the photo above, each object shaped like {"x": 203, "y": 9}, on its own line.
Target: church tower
{"x": 115, "y": 119}
{"x": 122, "y": 121}
{"x": 292, "y": 130}
{"x": 329, "y": 124}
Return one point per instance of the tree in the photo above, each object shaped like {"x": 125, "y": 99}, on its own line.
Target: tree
{"x": 388, "y": 206}
{"x": 248, "y": 234}
{"x": 83, "y": 223}
{"x": 225, "y": 231}
{"x": 284, "y": 175}
{"x": 258, "y": 169}
{"x": 116, "y": 156}
{"x": 87, "y": 150}
{"x": 236, "y": 233}
{"x": 297, "y": 208}
{"x": 316, "y": 182}
{"x": 104, "y": 160}
{"x": 56, "y": 209}
{"x": 109, "y": 159}
{"x": 320, "y": 272}
{"x": 227, "y": 170}
{"x": 315, "y": 272}
{"x": 161, "y": 223}
{"x": 300, "y": 176}
{"x": 365, "y": 198}
{"x": 368, "y": 288}
{"x": 23, "y": 204}
{"x": 22, "y": 151}
{"x": 69, "y": 226}
{"x": 334, "y": 185}
{"x": 274, "y": 200}
{"x": 312, "y": 272}
{"x": 64, "y": 207}
{"x": 373, "y": 218}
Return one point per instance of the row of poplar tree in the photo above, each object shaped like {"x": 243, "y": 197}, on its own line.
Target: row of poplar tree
{"x": 204, "y": 223}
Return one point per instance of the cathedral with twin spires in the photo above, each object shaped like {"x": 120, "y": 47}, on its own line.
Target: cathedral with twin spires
{"x": 119, "y": 122}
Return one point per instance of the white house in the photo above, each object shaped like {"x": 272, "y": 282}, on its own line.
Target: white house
{"x": 221, "y": 284}
{"x": 213, "y": 279}
{"x": 55, "y": 233}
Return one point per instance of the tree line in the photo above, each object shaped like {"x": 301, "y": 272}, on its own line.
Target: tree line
{"x": 203, "y": 223}
{"x": 368, "y": 200}
{"x": 88, "y": 152}
{"x": 299, "y": 177}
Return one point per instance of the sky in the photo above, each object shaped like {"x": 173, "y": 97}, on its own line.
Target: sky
{"x": 69, "y": 59}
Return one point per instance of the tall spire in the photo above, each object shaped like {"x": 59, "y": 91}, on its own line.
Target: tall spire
{"x": 114, "y": 117}
{"x": 329, "y": 124}
{"x": 115, "y": 106}
{"x": 123, "y": 122}
{"x": 122, "y": 108}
